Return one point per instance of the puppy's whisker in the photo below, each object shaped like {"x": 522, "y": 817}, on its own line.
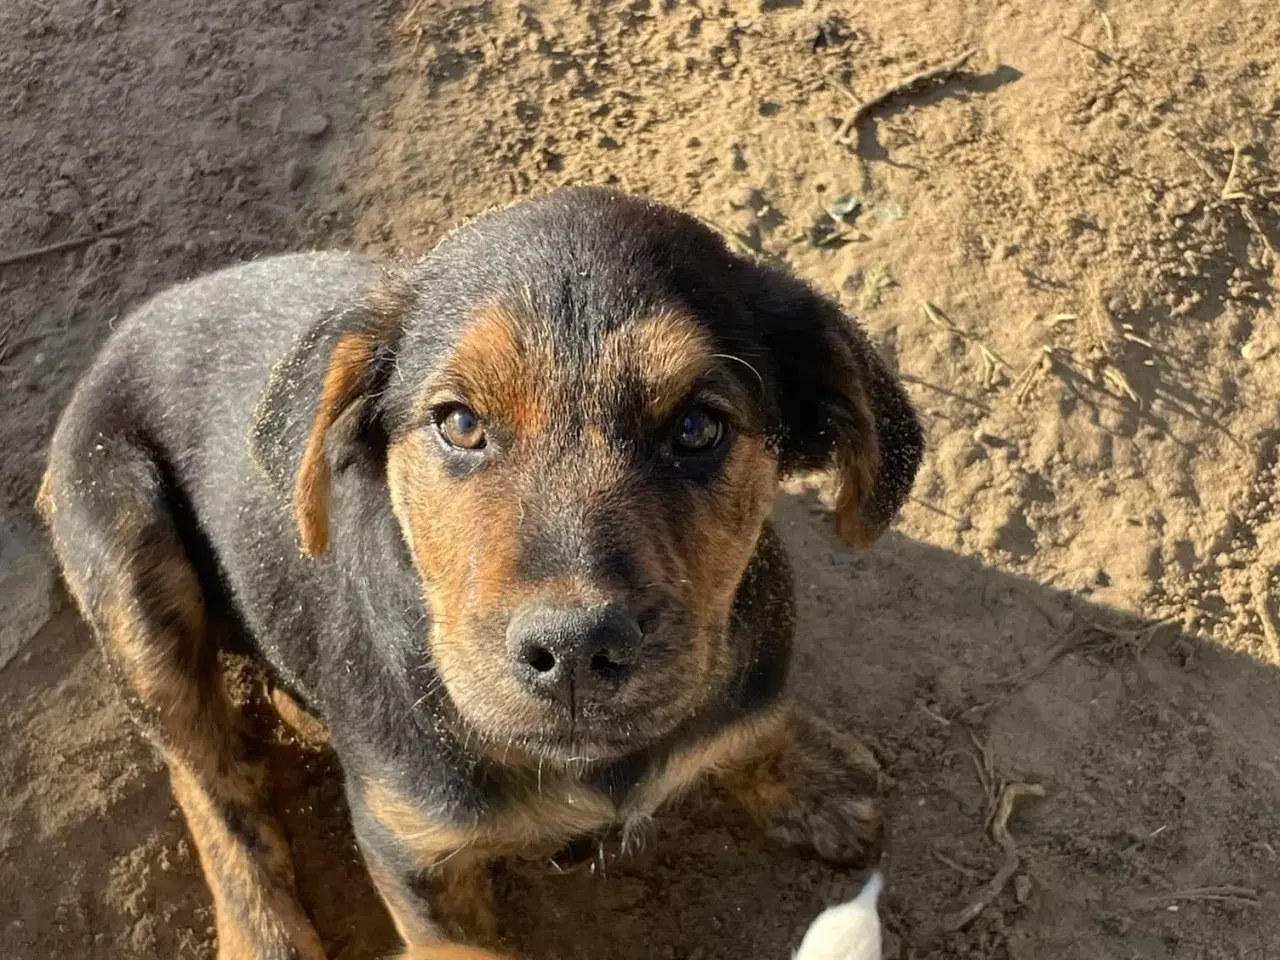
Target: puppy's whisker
{"x": 729, "y": 356}
{"x": 434, "y": 687}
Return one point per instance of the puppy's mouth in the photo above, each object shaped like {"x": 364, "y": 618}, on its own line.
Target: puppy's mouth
{"x": 575, "y": 749}
{"x": 590, "y": 739}
{"x": 544, "y": 734}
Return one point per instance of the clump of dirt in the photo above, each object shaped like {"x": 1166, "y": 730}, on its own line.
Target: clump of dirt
{"x": 1069, "y": 251}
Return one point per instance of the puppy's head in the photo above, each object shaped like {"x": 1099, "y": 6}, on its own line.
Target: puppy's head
{"x": 587, "y": 402}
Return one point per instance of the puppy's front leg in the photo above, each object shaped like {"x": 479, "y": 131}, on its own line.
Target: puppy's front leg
{"x": 432, "y": 875}
{"x": 130, "y": 573}
{"x": 449, "y": 951}
{"x": 451, "y": 901}
{"x": 811, "y": 786}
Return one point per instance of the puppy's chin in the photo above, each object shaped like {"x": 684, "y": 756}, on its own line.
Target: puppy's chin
{"x": 546, "y": 735}
{"x": 578, "y": 751}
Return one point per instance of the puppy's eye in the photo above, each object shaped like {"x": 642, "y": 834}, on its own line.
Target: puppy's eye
{"x": 697, "y": 431}
{"x": 461, "y": 428}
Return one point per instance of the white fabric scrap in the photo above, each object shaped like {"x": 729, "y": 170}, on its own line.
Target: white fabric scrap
{"x": 849, "y": 931}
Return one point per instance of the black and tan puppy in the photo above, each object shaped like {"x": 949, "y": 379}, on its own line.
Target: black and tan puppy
{"x": 499, "y": 519}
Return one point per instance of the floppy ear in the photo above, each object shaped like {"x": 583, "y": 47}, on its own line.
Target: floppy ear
{"x": 840, "y": 406}
{"x": 332, "y": 374}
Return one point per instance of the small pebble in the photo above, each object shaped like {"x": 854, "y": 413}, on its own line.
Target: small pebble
{"x": 63, "y": 201}
{"x": 294, "y": 173}
{"x": 990, "y": 440}
{"x": 295, "y": 14}
{"x": 1254, "y": 351}
{"x": 73, "y": 170}
{"x": 38, "y": 223}
{"x": 314, "y": 126}
{"x": 1022, "y": 888}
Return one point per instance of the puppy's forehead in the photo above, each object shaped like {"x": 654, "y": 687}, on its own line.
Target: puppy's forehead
{"x": 514, "y": 362}
{"x": 585, "y": 259}
{"x": 590, "y": 293}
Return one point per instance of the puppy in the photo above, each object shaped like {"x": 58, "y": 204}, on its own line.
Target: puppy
{"x": 497, "y": 518}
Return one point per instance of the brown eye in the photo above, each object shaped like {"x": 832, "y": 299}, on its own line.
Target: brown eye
{"x": 697, "y": 431}
{"x": 461, "y": 428}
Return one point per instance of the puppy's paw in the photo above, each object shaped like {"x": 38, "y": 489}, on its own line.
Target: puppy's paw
{"x": 815, "y": 788}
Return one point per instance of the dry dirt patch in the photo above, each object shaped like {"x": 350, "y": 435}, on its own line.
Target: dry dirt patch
{"x": 1081, "y": 593}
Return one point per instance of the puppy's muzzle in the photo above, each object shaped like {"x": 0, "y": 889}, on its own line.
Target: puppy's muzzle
{"x": 574, "y": 655}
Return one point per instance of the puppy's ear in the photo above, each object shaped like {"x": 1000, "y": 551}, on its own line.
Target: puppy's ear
{"x": 331, "y": 376}
{"x": 840, "y": 406}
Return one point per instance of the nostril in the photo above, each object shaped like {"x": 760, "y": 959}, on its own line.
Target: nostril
{"x": 602, "y": 664}
{"x": 647, "y": 620}
{"x": 541, "y": 659}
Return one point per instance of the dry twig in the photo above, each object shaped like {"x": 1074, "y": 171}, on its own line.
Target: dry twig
{"x": 957, "y": 867}
{"x": 843, "y": 87}
{"x": 1073, "y": 641}
{"x": 933, "y": 715}
{"x": 1111, "y": 31}
{"x": 1139, "y": 637}
{"x": 1031, "y": 375}
{"x": 992, "y": 364}
{"x": 1100, "y": 54}
{"x": 1228, "y": 189}
{"x": 1009, "y": 796}
{"x": 1249, "y": 215}
{"x": 1262, "y": 598}
{"x": 411, "y": 26}
{"x": 911, "y": 83}
{"x": 72, "y": 243}
{"x": 1120, "y": 380}
{"x": 1242, "y": 896}
{"x": 986, "y": 770}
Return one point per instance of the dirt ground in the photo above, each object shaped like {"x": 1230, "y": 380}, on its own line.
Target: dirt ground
{"x": 1081, "y": 593}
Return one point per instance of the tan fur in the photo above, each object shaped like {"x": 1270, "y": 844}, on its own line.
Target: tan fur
{"x": 527, "y": 823}
{"x": 723, "y": 530}
{"x": 258, "y": 915}
{"x": 450, "y": 951}
{"x": 544, "y": 810}
{"x": 542, "y": 813}
{"x": 45, "y": 505}
{"x": 347, "y": 368}
{"x": 305, "y": 727}
{"x": 691, "y": 764}
{"x": 409, "y": 923}
{"x": 858, "y": 470}
{"x": 669, "y": 349}
{"x": 462, "y": 539}
{"x": 464, "y": 898}
{"x": 496, "y": 367}
{"x": 464, "y": 532}
{"x": 812, "y": 786}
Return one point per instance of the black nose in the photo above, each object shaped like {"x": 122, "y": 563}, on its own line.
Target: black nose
{"x": 574, "y": 654}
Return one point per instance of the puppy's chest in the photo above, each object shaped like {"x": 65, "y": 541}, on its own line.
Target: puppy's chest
{"x": 546, "y": 815}
{"x": 566, "y": 819}
{"x": 552, "y": 817}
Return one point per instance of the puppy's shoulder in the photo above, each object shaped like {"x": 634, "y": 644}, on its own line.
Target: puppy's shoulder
{"x": 250, "y": 300}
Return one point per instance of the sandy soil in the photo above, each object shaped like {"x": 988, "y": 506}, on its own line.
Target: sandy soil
{"x": 1080, "y": 595}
